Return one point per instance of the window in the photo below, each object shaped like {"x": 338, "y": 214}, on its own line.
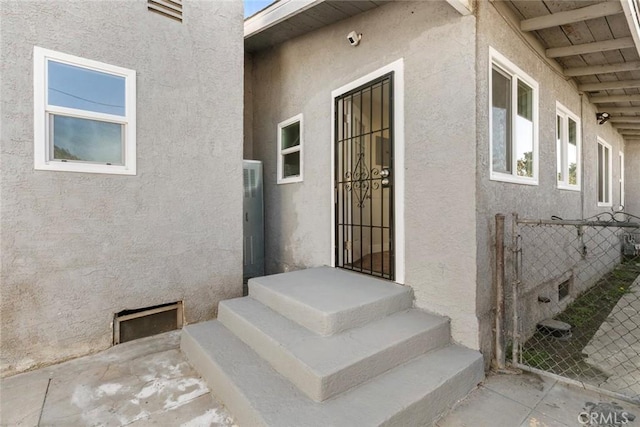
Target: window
{"x": 513, "y": 123}
{"x": 568, "y": 148}
{"x": 604, "y": 173}
{"x": 621, "y": 179}
{"x": 290, "y": 150}
{"x": 84, "y": 115}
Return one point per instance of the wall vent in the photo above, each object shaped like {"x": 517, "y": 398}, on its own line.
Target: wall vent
{"x": 130, "y": 325}
{"x": 563, "y": 290}
{"x": 168, "y": 8}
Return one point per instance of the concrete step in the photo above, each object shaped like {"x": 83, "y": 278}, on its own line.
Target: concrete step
{"x": 412, "y": 394}
{"x": 329, "y": 300}
{"x": 322, "y": 367}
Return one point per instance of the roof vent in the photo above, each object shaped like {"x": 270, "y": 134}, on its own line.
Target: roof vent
{"x": 169, "y": 8}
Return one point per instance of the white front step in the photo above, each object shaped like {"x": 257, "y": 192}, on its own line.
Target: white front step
{"x": 412, "y": 394}
{"x": 328, "y": 300}
{"x": 322, "y": 367}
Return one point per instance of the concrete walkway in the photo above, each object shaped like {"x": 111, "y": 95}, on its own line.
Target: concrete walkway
{"x": 615, "y": 347}
{"x": 149, "y": 383}
{"x": 141, "y": 383}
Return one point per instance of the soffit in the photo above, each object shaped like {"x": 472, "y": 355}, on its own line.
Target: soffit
{"x": 597, "y": 44}
{"x": 310, "y": 17}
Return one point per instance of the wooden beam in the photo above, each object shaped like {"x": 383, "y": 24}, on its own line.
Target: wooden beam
{"x": 614, "y": 98}
{"x": 625, "y": 119}
{"x": 561, "y": 18}
{"x": 619, "y": 110}
{"x": 623, "y": 126}
{"x": 633, "y": 19}
{"x": 618, "y": 84}
{"x": 602, "y": 69}
{"x": 580, "y": 49}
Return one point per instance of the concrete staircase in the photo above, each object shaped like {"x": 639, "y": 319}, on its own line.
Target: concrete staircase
{"x": 327, "y": 347}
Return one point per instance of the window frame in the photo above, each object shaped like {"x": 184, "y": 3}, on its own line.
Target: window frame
{"x": 609, "y": 189}
{"x": 504, "y": 66}
{"x": 565, "y": 114}
{"x": 43, "y": 160}
{"x": 297, "y": 148}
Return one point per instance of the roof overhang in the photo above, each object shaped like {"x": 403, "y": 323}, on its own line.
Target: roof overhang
{"x": 596, "y": 43}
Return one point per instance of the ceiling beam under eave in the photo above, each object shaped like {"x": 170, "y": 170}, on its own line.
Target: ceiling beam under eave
{"x": 581, "y": 49}
{"x": 625, "y": 119}
{"x": 632, "y": 14}
{"x": 602, "y": 69}
{"x": 619, "y": 84}
{"x": 619, "y": 110}
{"x": 464, "y": 7}
{"x": 614, "y": 98}
{"x": 561, "y": 18}
{"x": 625, "y": 126}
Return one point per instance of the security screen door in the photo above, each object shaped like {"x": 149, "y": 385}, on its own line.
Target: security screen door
{"x": 364, "y": 215}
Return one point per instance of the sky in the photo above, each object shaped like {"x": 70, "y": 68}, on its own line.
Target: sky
{"x": 253, "y": 6}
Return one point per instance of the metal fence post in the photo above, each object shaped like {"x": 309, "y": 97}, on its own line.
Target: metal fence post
{"x": 500, "y": 353}
{"x": 514, "y": 288}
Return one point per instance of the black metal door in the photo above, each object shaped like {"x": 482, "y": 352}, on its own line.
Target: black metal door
{"x": 364, "y": 219}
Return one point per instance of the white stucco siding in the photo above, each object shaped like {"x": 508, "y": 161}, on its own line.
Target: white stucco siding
{"x": 77, "y": 248}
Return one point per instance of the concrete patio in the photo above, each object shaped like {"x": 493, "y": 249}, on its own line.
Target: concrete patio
{"x": 148, "y": 382}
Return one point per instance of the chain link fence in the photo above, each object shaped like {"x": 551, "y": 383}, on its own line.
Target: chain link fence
{"x": 573, "y": 307}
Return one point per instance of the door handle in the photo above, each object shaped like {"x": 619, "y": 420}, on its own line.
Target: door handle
{"x": 385, "y": 173}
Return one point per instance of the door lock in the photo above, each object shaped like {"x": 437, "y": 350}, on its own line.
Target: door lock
{"x": 385, "y": 173}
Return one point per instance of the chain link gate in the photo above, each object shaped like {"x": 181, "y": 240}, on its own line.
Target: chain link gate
{"x": 573, "y": 307}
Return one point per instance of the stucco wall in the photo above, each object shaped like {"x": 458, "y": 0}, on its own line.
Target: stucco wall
{"x": 544, "y": 199}
{"x": 77, "y": 248}
{"x": 439, "y": 62}
{"x": 632, "y": 178}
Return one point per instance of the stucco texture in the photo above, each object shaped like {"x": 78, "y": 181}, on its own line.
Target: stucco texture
{"x": 298, "y": 76}
{"x": 529, "y": 201}
{"x": 77, "y": 248}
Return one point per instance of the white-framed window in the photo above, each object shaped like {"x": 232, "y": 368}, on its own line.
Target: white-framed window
{"x": 290, "y": 146}
{"x": 621, "y": 157}
{"x": 604, "y": 173}
{"x": 569, "y": 147}
{"x": 84, "y": 115}
{"x": 513, "y": 122}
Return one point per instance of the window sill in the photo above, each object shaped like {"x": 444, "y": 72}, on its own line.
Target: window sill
{"x": 291, "y": 180}
{"x": 512, "y": 179}
{"x": 569, "y": 187}
{"x": 85, "y": 168}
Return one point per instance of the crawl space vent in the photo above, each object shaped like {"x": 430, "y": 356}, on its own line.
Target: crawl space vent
{"x": 167, "y": 8}
{"x": 563, "y": 290}
{"x": 133, "y": 324}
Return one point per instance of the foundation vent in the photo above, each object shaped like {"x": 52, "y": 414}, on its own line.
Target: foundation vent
{"x": 168, "y": 8}
{"x": 130, "y": 325}
{"x": 563, "y": 290}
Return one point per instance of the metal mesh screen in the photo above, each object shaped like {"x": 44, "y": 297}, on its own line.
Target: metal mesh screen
{"x": 575, "y": 300}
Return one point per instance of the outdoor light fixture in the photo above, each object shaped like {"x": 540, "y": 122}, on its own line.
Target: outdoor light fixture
{"x": 602, "y": 118}
{"x": 354, "y": 38}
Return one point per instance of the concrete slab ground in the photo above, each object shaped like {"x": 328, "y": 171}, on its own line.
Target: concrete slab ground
{"x": 140, "y": 383}
{"x": 149, "y": 383}
{"x": 529, "y": 400}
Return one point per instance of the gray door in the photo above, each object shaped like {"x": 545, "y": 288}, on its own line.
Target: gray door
{"x": 364, "y": 216}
